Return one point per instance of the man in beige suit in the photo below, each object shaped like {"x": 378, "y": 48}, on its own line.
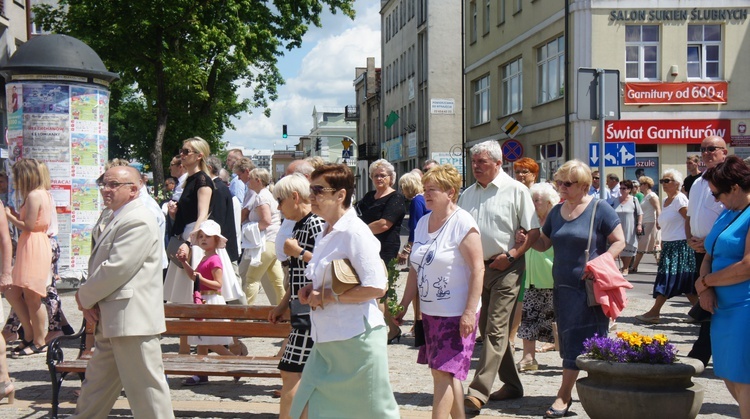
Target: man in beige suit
{"x": 123, "y": 296}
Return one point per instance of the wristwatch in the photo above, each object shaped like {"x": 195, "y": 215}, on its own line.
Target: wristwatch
{"x": 301, "y": 254}
{"x": 511, "y": 259}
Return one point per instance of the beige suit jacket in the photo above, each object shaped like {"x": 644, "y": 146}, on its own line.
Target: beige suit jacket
{"x": 125, "y": 275}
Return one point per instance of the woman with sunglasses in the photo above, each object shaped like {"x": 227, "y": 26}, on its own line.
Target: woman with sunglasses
{"x": 187, "y": 215}
{"x": 631, "y": 217}
{"x": 724, "y": 282}
{"x": 676, "y": 271}
{"x": 566, "y": 230}
{"x": 347, "y": 370}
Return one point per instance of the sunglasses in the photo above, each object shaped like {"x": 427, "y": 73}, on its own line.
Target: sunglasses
{"x": 596, "y": 177}
{"x": 663, "y": 181}
{"x": 710, "y": 149}
{"x": 186, "y": 151}
{"x": 566, "y": 184}
{"x": 319, "y": 189}
{"x": 624, "y": 187}
{"x": 716, "y": 195}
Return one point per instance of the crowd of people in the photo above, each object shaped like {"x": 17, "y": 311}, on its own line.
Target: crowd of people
{"x": 503, "y": 258}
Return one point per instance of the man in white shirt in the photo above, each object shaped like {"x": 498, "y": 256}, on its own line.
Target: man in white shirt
{"x": 500, "y": 205}
{"x": 177, "y": 171}
{"x": 613, "y": 183}
{"x": 595, "y": 185}
{"x": 236, "y": 186}
{"x": 703, "y": 210}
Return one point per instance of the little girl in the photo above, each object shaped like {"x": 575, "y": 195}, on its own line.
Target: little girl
{"x": 209, "y": 276}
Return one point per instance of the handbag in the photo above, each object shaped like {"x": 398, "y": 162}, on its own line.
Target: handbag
{"x": 299, "y": 314}
{"x": 173, "y": 247}
{"x": 589, "y": 283}
{"x": 419, "y": 338}
{"x": 343, "y": 276}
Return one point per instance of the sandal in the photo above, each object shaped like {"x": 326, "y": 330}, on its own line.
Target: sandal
{"x": 24, "y": 344}
{"x": 195, "y": 380}
{"x": 25, "y": 351}
{"x": 558, "y": 413}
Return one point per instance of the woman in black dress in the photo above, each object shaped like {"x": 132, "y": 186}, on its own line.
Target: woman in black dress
{"x": 383, "y": 210}
{"x": 293, "y": 194}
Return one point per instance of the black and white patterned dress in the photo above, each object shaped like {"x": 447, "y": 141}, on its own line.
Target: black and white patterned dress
{"x": 300, "y": 342}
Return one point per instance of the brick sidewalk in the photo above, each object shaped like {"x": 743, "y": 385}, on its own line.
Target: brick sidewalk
{"x": 412, "y": 383}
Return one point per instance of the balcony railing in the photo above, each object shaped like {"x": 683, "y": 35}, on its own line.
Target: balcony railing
{"x": 351, "y": 113}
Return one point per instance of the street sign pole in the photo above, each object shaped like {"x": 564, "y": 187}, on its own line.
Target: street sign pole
{"x": 602, "y": 179}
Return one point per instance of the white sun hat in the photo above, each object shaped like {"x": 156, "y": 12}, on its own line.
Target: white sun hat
{"x": 210, "y": 228}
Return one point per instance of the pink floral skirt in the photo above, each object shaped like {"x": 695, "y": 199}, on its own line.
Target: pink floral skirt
{"x": 444, "y": 349}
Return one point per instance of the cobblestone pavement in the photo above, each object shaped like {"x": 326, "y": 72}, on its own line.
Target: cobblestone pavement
{"x": 412, "y": 383}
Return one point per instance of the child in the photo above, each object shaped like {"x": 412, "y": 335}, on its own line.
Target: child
{"x": 209, "y": 276}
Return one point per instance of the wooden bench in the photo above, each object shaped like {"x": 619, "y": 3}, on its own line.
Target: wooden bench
{"x": 185, "y": 320}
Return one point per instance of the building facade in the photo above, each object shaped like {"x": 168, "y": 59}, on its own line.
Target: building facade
{"x": 366, "y": 114}
{"x": 676, "y": 61}
{"x": 421, "y": 82}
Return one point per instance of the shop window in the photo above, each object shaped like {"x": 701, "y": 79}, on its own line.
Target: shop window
{"x": 642, "y": 52}
{"x": 512, "y": 86}
{"x": 550, "y": 70}
{"x": 482, "y": 100}
{"x": 704, "y": 52}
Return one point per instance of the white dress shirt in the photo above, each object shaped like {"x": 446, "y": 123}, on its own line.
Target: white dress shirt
{"x": 703, "y": 209}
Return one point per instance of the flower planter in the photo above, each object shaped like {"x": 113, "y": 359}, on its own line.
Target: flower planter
{"x": 617, "y": 390}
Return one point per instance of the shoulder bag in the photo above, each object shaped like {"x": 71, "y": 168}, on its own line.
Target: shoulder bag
{"x": 590, "y": 296}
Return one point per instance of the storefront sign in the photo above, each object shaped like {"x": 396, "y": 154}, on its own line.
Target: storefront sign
{"x": 694, "y": 93}
{"x": 667, "y": 131}
{"x": 677, "y": 15}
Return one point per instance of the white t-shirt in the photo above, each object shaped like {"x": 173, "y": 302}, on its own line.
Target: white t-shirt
{"x": 671, "y": 222}
{"x": 442, "y": 273}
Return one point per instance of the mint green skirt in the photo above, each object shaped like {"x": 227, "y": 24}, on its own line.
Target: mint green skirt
{"x": 348, "y": 377}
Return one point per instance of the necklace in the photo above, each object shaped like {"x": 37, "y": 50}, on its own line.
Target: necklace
{"x": 574, "y": 211}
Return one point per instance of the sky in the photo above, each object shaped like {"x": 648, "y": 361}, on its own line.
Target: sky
{"x": 320, "y": 73}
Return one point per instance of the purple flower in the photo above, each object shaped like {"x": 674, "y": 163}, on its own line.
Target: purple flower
{"x": 630, "y": 347}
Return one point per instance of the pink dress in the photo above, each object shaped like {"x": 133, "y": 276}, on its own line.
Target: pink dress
{"x": 34, "y": 252}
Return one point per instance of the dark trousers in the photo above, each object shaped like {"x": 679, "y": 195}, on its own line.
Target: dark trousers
{"x": 702, "y": 347}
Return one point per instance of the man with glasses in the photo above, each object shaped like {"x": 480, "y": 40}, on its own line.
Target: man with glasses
{"x": 123, "y": 297}
{"x": 613, "y": 183}
{"x": 595, "y": 185}
{"x": 703, "y": 210}
{"x": 501, "y": 206}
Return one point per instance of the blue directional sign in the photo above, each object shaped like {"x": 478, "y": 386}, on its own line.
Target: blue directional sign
{"x": 615, "y": 154}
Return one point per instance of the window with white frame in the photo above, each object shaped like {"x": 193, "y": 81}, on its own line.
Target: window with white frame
{"x": 550, "y": 64}
{"x": 482, "y": 100}
{"x": 704, "y": 52}
{"x": 512, "y": 86}
{"x": 473, "y": 24}
{"x": 642, "y": 52}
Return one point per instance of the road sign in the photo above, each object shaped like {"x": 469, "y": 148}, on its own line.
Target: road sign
{"x": 512, "y": 150}
{"x": 346, "y": 154}
{"x": 587, "y": 96}
{"x": 615, "y": 154}
{"x": 511, "y": 127}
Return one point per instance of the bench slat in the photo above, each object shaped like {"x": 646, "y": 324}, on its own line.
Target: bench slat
{"x": 233, "y": 312}
{"x": 229, "y": 366}
{"x": 221, "y": 328}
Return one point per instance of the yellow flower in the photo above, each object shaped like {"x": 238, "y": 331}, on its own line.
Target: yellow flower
{"x": 662, "y": 339}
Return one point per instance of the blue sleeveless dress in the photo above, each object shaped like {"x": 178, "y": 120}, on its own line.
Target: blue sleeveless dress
{"x": 730, "y": 341}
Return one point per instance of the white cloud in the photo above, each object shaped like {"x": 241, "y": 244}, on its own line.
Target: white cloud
{"x": 322, "y": 77}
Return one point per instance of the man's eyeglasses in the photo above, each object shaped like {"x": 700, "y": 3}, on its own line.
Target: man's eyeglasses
{"x": 186, "y": 151}
{"x": 112, "y": 185}
{"x": 710, "y": 149}
{"x": 319, "y": 189}
{"x": 663, "y": 181}
{"x": 716, "y": 195}
{"x": 566, "y": 184}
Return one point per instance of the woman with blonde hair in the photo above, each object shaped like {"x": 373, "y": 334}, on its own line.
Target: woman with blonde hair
{"x": 31, "y": 273}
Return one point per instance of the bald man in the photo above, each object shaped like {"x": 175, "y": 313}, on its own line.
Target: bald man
{"x": 123, "y": 296}
{"x": 702, "y": 211}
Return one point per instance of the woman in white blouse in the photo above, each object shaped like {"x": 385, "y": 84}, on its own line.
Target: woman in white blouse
{"x": 350, "y": 352}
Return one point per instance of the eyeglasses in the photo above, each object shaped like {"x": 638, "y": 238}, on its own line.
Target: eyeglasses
{"x": 186, "y": 151}
{"x": 279, "y": 200}
{"x": 112, "y": 185}
{"x": 716, "y": 195}
{"x": 523, "y": 172}
{"x": 663, "y": 181}
{"x": 380, "y": 176}
{"x": 566, "y": 184}
{"x": 710, "y": 149}
{"x": 624, "y": 187}
{"x": 319, "y": 189}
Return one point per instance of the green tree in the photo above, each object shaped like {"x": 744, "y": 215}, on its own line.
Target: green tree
{"x": 182, "y": 62}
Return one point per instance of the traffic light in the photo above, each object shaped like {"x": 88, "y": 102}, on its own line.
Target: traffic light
{"x": 318, "y": 144}
{"x": 283, "y": 132}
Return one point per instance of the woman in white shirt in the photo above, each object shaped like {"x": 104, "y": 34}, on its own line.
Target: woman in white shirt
{"x": 447, "y": 269}
{"x": 676, "y": 272}
{"x": 347, "y": 371}
{"x": 651, "y": 211}
{"x": 266, "y": 214}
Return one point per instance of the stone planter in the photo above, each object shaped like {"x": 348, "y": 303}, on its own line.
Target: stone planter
{"x": 615, "y": 390}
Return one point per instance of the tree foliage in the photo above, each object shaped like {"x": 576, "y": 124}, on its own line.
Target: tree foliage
{"x": 183, "y": 62}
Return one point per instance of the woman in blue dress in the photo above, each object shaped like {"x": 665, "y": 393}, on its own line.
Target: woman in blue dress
{"x": 724, "y": 282}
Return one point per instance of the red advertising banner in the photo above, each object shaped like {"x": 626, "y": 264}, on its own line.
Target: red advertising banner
{"x": 688, "y": 93}
{"x": 667, "y": 132}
